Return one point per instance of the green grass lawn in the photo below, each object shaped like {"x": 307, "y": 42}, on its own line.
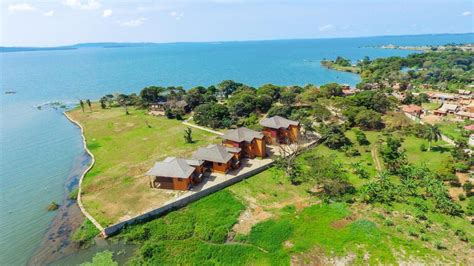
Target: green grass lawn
{"x": 452, "y": 129}
{"x": 125, "y": 147}
{"x": 431, "y": 106}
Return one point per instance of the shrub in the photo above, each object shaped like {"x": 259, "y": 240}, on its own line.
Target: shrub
{"x": 424, "y": 238}
{"x": 388, "y": 222}
{"x": 85, "y": 233}
{"x": 440, "y": 245}
{"x": 462, "y": 197}
{"x": 423, "y": 147}
{"x": 351, "y": 152}
{"x": 412, "y": 232}
{"x": 53, "y": 206}
{"x": 462, "y": 167}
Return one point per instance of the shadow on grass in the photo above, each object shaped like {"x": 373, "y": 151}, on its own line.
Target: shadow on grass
{"x": 440, "y": 149}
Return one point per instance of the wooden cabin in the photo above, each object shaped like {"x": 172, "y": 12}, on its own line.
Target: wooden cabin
{"x": 278, "y": 129}
{"x": 219, "y": 158}
{"x": 251, "y": 142}
{"x": 174, "y": 173}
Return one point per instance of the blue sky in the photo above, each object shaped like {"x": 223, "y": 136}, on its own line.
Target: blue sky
{"x": 51, "y": 22}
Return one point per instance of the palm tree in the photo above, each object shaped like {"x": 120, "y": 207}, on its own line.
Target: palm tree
{"x": 432, "y": 133}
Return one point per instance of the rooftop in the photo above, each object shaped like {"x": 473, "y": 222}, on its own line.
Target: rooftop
{"x": 412, "y": 108}
{"x": 277, "y": 122}
{"x": 171, "y": 167}
{"x": 213, "y": 153}
{"x": 242, "y": 134}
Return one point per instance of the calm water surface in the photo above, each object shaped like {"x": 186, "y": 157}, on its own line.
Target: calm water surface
{"x": 38, "y": 147}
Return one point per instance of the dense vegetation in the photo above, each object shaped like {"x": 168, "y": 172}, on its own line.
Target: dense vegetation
{"x": 449, "y": 69}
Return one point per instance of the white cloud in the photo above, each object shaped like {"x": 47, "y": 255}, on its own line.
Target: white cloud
{"x": 176, "y": 15}
{"x": 133, "y": 23}
{"x": 327, "y": 27}
{"x": 20, "y": 7}
{"x": 466, "y": 13}
{"x": 49, "y": 13}
{"x": 83, "y": 4}
{"x": 107, "y": 13}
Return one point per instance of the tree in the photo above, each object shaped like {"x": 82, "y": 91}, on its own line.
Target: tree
{"x": 286, "y": 160}
{"x": 329, "y": 174}
{"x": 392, "y": 154}
{"x": 330, "y": 90}
{"x": 270, "y": 90}
{"x": 213, "y": 115}
{"x": 334, "y": 137}
{"x": 82, "y": 105}
{"x": 368, "y": 119}
{"x": 320, "y": 112}
{"x": 227, "y": 87}
{"x": 122, "y": 99}
{"x": 280, "y": 110}
{"x": 89, "y": 104}
{"x": 432, "y": 133}
{"x": 188, "y": 137}
{"x": 361, "y": 137}
{"x": 264, "y": 103}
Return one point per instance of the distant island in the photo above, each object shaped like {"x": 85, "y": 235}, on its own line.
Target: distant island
{"x": 4, "y": 49}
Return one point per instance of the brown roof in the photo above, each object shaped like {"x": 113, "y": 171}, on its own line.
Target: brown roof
{"x": 470, "y": 127}
{"x": 242, "y": 134}
{"x": 412, "y": 108}
{"x": 277, "y": 122}
{"x": 213, "y": 153}
{"x": 171, "y": 167}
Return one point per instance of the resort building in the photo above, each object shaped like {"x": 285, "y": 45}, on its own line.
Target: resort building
{"x": 413, "y": 109}
{"x": 251, "y": 142}
{"x": 280, "y": 130}
{"x": 174, "y": 173}
{"x": 219, "y": 158}
{"x": 446, "y": 108}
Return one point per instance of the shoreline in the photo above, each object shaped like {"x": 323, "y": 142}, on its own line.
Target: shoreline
{"x": 79, "y": 201}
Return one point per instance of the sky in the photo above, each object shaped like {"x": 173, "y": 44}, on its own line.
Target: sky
{"x": 64, "y": 22}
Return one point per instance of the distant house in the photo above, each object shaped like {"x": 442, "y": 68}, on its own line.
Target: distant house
{"x": 465, "y": 115}
{"x": 181, "y": 105}
{"x": 464, "y": 92}
{"x": 443, "y": 97}
{"x": 470, "y": 127}
{"x": 413, "y": 109}
{"x": 251, "y": 142}
{"x": 280, "y": 130}
{"x": 219, "y": 158}
{"x": 446, "y": 108}
{"x": 175, "y": 173}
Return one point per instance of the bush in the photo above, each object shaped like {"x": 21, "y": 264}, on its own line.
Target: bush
{"x": 424, "y": 238}
{"x": 440, "y": 245}
{"x": 53, "y": 206}
{"x": 85, "y": 233}
{"x": 388, "y": 222}
{"x": 462, "y": 167}
{"x": 423, "y": 147}
{"x": 412, "y": 232}
{"x": 462, "y": 197}
{"x": 351, "y": 152}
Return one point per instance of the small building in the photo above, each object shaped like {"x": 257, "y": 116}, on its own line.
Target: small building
{"x": 251, "y": 142}
{"x": 469, "y": 128}
{"x": 219, "y": 158}
{"x": 174, "y": 173}
{"x": 446, "y": 108}
{"x": 413, "y": 109}
{"x": 278, "y": 129}
{"x": 443, "y": 97}
{"x": 465, "y": 115}
{"x": 464, "y": 92}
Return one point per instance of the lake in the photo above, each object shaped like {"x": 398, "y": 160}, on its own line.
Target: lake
{"x": 40, "y": 147}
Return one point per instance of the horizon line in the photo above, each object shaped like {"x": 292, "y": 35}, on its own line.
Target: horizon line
{"x": 230, "y": 41}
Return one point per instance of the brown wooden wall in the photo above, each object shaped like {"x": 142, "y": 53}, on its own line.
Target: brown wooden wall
{"x": 173, "y": 183}
{"x": 221, "y": 168}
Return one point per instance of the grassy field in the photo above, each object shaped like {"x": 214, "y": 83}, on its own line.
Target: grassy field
{"x": 318, "y": 234}
{"x": 452, "y": 129}
{"x": 125, "y": 147}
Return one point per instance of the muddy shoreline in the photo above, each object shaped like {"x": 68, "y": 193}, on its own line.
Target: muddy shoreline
{"x": 56, "y": 242}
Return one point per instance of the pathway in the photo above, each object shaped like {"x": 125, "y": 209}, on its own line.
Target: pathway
{"x": 201, "y": 128}
{"x": 375, "y": 157}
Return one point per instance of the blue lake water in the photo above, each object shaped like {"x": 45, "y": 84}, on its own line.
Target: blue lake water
{"x": 39, "y": 147}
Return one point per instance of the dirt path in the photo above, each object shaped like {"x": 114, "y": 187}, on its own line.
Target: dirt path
{"x": 375, "y": 157}
{"x": 186, "y": 122}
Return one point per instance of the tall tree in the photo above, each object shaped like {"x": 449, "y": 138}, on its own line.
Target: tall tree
{"x": 82, "y": 105}
{"x": 188, "y": 135}
{"x": 432, "y": 132}
{"x": 89, "y": 104}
